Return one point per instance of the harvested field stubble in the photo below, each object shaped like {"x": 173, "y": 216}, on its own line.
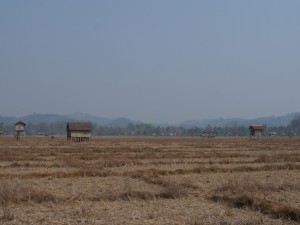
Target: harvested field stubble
{"x": 255, "y": 195}
{"x": 149, "y": 181}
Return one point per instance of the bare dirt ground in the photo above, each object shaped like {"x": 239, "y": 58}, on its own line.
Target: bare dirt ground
{"x": 149, "y": 181}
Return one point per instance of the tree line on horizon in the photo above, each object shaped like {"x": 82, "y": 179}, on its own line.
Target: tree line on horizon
{"x": 144, "y": 129}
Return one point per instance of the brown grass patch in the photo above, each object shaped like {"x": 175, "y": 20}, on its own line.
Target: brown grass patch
{"x": 245, "y": 195}
{"x": 277, "y": 158}
{"x": 214, "y": 169}
{"x": 266, "y": 207}
{"x": 17, "y": 192}
{"x": 130, "y": 195}
{"x": 172, "y": 191}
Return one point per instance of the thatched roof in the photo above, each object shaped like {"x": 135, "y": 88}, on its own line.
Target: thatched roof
{"x": 256, "y": 127}
{"x": 20, "y": 123}
{"x": 79, "y": 126}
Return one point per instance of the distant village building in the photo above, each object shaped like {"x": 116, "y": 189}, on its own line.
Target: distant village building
{"x": 256, "y": 131}
{"x": 79, "y": 131}
{"x": 273, "y": 133}
{"x": 19, "y": 130}
{"x": 208, "y": 133}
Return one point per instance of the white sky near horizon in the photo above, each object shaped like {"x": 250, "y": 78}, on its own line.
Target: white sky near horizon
{"x": 153, "y": 61}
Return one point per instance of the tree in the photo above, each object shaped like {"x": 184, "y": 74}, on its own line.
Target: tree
{"x": 294, "y": 126}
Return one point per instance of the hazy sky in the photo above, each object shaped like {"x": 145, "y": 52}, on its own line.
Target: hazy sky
{"x": 154, "y": 61}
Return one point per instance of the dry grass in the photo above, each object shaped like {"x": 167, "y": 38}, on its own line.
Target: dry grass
{"x": 267, "y": 207}
{"x": 254, "y": 195}
{"x": 149, "y": 181}
{"x": 18, "y": 192}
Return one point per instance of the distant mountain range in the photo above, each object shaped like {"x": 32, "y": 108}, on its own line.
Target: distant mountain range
{"x": 122, "y": 122}
{"x": 271, "y": 121}
{"x": 52, "y": 118}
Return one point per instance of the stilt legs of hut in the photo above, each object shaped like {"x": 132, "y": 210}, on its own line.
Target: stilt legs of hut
{"x": 78, "y": 139}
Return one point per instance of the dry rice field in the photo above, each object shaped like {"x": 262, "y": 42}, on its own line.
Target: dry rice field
{"x": 188, "y": 181}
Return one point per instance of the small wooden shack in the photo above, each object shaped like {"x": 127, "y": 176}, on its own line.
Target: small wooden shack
{"x": 256, "y": 131}
{"x": 19, "y": 130}
{"x": 79, "y": 131}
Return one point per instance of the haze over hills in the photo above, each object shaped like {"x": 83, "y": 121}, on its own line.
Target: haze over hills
{"x": 271, "y": 121}
{"x": 87, "y": 117}
{"x": 36, "y": 118}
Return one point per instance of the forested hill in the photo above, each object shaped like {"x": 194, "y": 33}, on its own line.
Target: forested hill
{"x": 53, "y": 118}
{"x": 272, "y": 121}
